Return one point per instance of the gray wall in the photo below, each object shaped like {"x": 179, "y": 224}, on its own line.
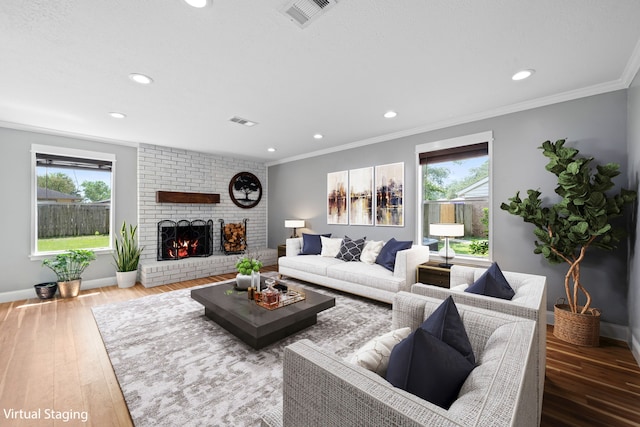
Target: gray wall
{"x": 595, "y": 125}
{"x": 634, "y": 179}
{"x": 18, "y": 271}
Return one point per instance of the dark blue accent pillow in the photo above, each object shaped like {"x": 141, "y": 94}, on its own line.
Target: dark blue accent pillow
{"x": 446, "y": 325}
{"x": 493, "y": 284}
{"x": 429, "y": 368}
{"x": 350, "y": 249}
{"x": 387, "y": 255}
{"x": 311, "y": 243}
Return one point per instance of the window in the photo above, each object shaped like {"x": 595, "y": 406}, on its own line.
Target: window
{"x": 72, "y": 199}
{"x": 455, "y": 187}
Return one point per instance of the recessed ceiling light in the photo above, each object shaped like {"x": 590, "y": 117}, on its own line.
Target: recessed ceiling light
{"x": 197, "y": 3}
{"x": 141, "y": 78}
{"x": 318, "y": 136}
{"x": 522, "y": 74}
{"x": 390, "y": 114}
{"x": 117, "y": 115}
{"x": 271, "y": 149}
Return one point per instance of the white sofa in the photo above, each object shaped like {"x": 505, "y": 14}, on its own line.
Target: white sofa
{"x": 529, "y": 301}
{"x": 322, "y": 389}
{"x": 368, "y": 280}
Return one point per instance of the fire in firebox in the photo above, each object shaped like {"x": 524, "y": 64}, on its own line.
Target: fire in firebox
{"x": 183, "y": 239}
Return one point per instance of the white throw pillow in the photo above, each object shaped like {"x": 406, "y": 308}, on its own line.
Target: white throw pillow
{"x": 370, "y": 251}
{"x": 330, "y": 246}
{"x": 374, "y": 355}
{"x": 460, "y": 288}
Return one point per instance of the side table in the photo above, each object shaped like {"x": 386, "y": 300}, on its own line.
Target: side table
{"x": 432, "y": 274}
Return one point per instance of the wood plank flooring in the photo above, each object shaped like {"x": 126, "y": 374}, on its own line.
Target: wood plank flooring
{"x": 52, "y": 359}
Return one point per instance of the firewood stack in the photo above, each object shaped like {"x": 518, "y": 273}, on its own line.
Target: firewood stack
{"x": 234, "y": 238}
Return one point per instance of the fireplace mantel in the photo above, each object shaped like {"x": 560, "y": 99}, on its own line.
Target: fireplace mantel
{"x": 183, "y": 197}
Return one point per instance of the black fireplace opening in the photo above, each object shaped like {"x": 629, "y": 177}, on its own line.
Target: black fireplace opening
{"x": 184, "y": 239}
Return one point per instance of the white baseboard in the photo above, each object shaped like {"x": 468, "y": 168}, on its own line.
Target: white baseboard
{"x": 609, "y": 330}
{"x": 31, "y": 293}
{"x": 635, "y": 349}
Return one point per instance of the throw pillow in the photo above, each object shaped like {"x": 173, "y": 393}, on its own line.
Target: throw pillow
{"x": 350, "y": 249}
{"x": 374, "y": 355}
{"x": 446, "y": 325}
{"x": 493, "y": 284}
{"x": 371, "y": 251}
{"x": 387, "y": 255}
{"x": 311, "y": 244}
{"x": 330, "y": 246}
{"x": 429, "y": 368}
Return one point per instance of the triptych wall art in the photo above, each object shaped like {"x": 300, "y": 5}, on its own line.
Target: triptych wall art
{"x": 367, "y": 196}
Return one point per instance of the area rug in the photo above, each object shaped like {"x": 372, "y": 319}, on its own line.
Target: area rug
{"x": 178, "y": 368}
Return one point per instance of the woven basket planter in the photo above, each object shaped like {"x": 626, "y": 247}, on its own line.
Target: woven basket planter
{"x": 576, "y": 328}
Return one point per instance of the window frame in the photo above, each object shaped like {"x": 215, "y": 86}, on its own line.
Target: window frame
{"x": 448, "y": 144}
{"x": 67, "y": 152}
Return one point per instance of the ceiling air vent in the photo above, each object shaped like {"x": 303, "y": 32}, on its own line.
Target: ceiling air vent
{"x": 302, "y": 12}
{"x": 241, "y": 121}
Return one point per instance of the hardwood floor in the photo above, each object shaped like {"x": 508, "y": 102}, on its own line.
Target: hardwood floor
{"x": 52, "y": 360}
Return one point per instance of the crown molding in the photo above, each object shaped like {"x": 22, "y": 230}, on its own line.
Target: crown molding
{"x": 496, "y": 112}
{"x": 56, "y": 132}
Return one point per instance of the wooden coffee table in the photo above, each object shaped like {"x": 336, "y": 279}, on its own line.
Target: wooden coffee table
{"x": 255, "y": 325}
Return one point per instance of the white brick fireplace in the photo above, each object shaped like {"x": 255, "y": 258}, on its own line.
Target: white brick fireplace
{"x": 172, "y": 169}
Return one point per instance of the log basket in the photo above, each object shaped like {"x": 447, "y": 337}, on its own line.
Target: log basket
{"x": 576, "y": 328}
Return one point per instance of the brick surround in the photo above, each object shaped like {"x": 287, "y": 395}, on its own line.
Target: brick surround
{"x": 172, "y": 169}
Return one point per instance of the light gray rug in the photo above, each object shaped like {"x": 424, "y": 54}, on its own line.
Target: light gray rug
{"x": 178, "y": 368}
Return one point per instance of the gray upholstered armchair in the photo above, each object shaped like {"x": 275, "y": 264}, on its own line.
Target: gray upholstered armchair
{"x": 321, "y": 389}
{"x": 529, "y": 301}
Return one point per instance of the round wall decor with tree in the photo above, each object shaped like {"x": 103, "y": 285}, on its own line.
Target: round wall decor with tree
{"x": 245, "y": 190}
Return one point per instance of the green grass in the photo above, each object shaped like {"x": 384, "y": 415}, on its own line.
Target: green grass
{"x": 461, "y": 247}
{"x": 80, "y": 242}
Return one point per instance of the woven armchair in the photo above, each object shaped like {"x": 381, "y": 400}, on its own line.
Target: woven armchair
{"x": 321, "y": 389}
{"x": 529, "y": 301}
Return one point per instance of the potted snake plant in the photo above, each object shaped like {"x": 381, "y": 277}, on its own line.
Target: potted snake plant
{"x": 127, "y": 256}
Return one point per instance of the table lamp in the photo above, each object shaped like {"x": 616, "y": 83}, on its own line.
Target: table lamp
{"x": 446, "y": 230}
{"x": 294, "y": 223}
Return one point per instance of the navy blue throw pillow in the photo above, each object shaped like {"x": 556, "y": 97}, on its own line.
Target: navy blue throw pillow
{"x": 493, "y": 284}
{"x": 446, "y": 325}
{"x": 428, "y": 368}
{"x": 387, "y": 256}
{"x": 311, "y": 243}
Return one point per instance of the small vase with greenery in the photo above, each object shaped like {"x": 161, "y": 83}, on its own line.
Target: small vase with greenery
{"x": 248, "y": 268}
{"x": 127, "y": 256}
{"x": 581, "y": 219}
{"x": 69, "y": 267}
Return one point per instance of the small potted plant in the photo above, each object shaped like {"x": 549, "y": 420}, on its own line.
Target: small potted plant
{"x": 69, "y": 267}
{"x": 127, "y": 256}
{"x": 46, "y": 290}
{"x": 248, "y": 268}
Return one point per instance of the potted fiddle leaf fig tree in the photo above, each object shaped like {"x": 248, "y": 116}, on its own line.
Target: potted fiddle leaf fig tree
{"x": 69, "y": 267}
{"x": 127, "y": 256}
{"x": 565, "y": 230}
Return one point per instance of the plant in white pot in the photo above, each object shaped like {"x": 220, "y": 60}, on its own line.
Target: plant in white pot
{"x": 566, "y": 229}
{"x": 127, "y": 256}
{"x": 248, "y": 272}
{"x": 69, "y": 267}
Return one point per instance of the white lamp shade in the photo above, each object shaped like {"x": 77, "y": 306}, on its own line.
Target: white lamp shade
{"x": 294, "y": 223}
{"x": 446, "y": 229}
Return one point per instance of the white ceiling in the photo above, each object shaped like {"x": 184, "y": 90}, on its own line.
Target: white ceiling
{"x": 64, "y": 65}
